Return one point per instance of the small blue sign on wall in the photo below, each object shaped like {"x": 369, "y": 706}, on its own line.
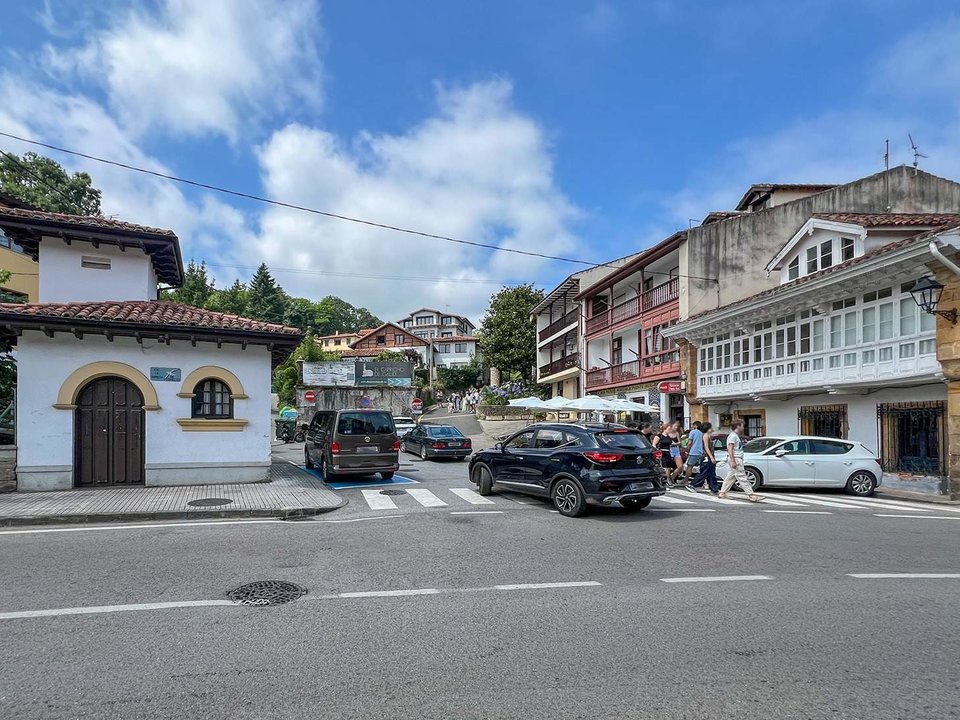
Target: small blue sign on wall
{"x": 161, "y": 374}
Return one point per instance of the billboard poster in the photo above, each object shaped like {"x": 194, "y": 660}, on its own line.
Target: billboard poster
{"x": 392, "y": 374}
{"x": 328, "y": 374}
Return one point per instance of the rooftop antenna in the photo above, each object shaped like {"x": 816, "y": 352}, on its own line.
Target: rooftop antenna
{"x": 886, "y": 155}
{"x": 916, "y": 154}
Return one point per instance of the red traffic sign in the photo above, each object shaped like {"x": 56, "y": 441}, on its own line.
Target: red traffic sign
{"x": 309, "y": 396}
{"x": 671, "y": 386}
{"x": 416, "y": 404}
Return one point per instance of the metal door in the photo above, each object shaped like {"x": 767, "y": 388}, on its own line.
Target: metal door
{"x": 108, "y": 434}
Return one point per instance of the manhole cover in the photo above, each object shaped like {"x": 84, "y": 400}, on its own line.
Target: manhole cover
{"x": 267, "y": 592}
{"x": 393, "y": 491}
{"x": 210, "y": 502}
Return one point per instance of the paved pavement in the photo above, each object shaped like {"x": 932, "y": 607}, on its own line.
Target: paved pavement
{"x": 290, "y": 493}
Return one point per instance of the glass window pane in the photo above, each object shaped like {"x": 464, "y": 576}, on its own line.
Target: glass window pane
{"x": 928, "y": 322}
{"x": 908, "y": 317}
{"x": 869, "y": 324}
{"x": 826, "y": 254}
{"x": 811, "y": 260}
{"x": 886, "y": 321}
{"x": 836, "y": 331}
{"x": 850, "y": 329}
{"x": 907, "y": 350}
{"x": 869, "y": 356}
{"x": 817, "y": 335}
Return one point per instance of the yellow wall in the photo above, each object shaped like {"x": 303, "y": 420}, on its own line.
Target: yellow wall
{"x": 25, "y": 278}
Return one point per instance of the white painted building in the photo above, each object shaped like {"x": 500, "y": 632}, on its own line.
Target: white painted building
{"x": 455, "y": 350}
{"x": 117, "y": 388}
{"x": 427, "y": 323}
{"x": 840, "y": 348}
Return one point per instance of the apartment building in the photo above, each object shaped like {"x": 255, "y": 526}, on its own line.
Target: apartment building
{"x": 23, "y": 284}
{"x": 341, "y": 340}
{"x": 426, "y": 323}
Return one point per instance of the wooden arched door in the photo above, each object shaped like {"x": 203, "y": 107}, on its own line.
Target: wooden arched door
{"x": 109, "y": 434}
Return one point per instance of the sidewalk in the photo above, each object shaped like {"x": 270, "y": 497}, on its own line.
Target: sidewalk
{"x": 883, "y": 492}
{"x": 291, "y": 492}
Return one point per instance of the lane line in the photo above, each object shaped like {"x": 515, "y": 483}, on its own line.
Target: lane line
{"x": 919, "y": 517}
{"x": 935, "y": 507}
{"x": 151, "y": 526}
{"x": 477, "y": 512}
{"x": 376, "y": 501}
{"x": 472, "y": 497}
{"x": 673, "y": 510}
{"x": 425, "y": 497}
{"x": 801, "y": 512}
{"x": 97, "y": 609}
{"x": 545, "y": 586}
{"x": 673, "y": 500}
{"x": 389, "y": 593}
{"x": 350, "y": 520}
{"x": 715, "y": 578}
{"x": 890, "y": 576}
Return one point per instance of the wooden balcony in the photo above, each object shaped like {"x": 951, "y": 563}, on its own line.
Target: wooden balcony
{"x": 623, "y": 373}
{"x": 634, "y": 307}
{"x": 558, "y": 325}
{"x": 564, "y": 363}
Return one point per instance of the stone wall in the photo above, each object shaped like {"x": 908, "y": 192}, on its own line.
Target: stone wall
{"x": 504, "y": 412}
{"x": 8, "y": 467}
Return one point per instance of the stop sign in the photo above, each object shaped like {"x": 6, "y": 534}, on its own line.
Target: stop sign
{"x": 416, "y": 404}
{"x": 309, "y": 396}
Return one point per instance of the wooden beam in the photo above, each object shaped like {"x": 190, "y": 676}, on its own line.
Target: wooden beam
{"x": 47, "y": 331}
{"x": 193, "y": 341}
{"x": 96, "y": 244}
{"x": 78, "y": 334}
{"x": 109, "y": 336}
{"x": 139, "y": 337}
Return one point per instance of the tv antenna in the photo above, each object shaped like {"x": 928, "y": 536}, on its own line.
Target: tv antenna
{"x": 886, "y": 154}
{"x": 916, "y": 154}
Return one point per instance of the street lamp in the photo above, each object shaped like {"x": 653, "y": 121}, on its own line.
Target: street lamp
{"x": 926, "y": 293}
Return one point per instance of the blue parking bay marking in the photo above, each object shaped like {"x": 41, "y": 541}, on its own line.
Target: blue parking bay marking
{"x": 372, "y": 483}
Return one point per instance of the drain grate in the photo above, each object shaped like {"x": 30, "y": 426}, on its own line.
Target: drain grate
{"x": 210, "y": 502}
{"x": 267, "y": 592}
{"x": 393, "y": 491}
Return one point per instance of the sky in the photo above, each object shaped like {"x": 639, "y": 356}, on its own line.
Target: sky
{"x": 587, "y": 130}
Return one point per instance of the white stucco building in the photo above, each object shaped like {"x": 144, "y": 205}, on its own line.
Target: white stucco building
{"x": 117, "y": 388}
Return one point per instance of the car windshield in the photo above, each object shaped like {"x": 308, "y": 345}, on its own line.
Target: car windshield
{"x": 623, "y": 440}
{"x": 403, "y": 420}
{"x": 374, "y": 423}
{"x": 760, "y": 444}
{"x": 444, "y": 431}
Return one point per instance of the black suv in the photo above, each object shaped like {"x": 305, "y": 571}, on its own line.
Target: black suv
{"x": 574, "y": 465}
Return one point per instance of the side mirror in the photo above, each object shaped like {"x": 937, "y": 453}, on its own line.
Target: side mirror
{"x": 498, "y": 446}
{"x": 780, "y": 453}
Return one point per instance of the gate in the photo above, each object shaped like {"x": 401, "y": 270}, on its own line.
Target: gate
{"x": 109, "y": 434}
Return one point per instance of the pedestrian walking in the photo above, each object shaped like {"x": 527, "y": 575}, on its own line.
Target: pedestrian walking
{"x": 646, "y": 429}
{"x": 735, "y": 460}
{"x": 668, "y": 443}
{"x": 694, "y": 452}
{"x": 708, "y": 466}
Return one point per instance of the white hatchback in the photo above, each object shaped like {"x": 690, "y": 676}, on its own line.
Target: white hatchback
{"x": 403, "y": 424}
{"x": 806, "y": 461}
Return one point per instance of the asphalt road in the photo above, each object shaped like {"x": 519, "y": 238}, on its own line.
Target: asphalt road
{"x": 504, "y": 610}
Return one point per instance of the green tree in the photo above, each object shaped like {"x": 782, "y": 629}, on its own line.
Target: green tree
{"x": 196, "y": 289}
{"x": 507, "y": 336}
{"x": 457, "y": 379}
{"x": 267, "y": 300}
{"x": 232, "y": 300}
{"x": 44, "y": 183}
{"x": 335, "y": 315}
{"x": 363, "y": 318}
{"x": 300, "y": 313}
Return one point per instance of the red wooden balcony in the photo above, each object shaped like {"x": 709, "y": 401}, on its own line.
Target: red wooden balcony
{"x": 625, "y": 372}
{"x": 634, "y": 307}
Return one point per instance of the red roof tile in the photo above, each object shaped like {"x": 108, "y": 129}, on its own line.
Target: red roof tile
{"x": 156, "y": 314}
{"x": 101, "y": 223}
{"x": 455, "y": 338}
{"x": 891, "y": 219}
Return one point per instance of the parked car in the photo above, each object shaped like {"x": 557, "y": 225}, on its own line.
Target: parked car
{"x": 575, "y": 465}
{"x": 352, "y": 442}
{"x": 403, "y": 424}
{"x": 806, "y": 461}
{"x": 431, "y": 441}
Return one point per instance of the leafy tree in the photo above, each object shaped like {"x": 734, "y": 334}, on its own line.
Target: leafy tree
{"x": 233, "y": 300}
{"x": 300, "y": 313}
{"x": 363, "y": 318}
{"x": 335, "y": 315}
{"x": 267, "y": 301}
{"x": 507, "y": 337}
{"x": 196, "y": 289}
{"x": 458, "y": 379}
{"x": 44, "y": 183}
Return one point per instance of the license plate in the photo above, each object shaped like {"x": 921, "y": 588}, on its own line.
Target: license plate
{"x": 367, "y": 449}
{"x": 639, "y": 486}
{"x": 453, "y": 444}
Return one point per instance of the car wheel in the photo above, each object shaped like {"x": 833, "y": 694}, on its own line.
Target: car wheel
{"x": 324, "y": 470}
{"x": 306, "y": 459}
{"x": 300, "y": 436}
{"x": 862, "y": 484}
{"x": 568, "y": 498}
{"x": 635, "y": 504}
{"x": 423, "y": 453}
{"x": 754, "y": 478}
{"x": 403, "y": 447}
{"x": 484, "y": 481}
{"x": 386, "y": 475}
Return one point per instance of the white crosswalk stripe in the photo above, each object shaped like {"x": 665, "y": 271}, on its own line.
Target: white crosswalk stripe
{"x": 862, "y": 503}
{"x": 471, "y": 497}
{"x": 425, "y": 497}
{"x": 828, "y": 503}
{"x": 710, "y": 498}
{"x": 376, "y": 501}
{"x": 673, "y": 501}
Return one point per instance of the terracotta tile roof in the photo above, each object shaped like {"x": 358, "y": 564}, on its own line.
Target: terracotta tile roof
{"x": 891, "y": 219}
{"x": 101, "y": 223}
{"x": 154, "y": 314}
{"x": 364, "y": 332}
{"x": 917, "y": 239}
{"x": 455, "y": 338}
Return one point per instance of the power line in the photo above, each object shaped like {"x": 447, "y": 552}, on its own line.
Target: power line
{"x": 324, "y": 213}
{"x": 362, "y": 276}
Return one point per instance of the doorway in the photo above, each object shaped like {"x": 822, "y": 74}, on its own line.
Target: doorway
{"x": 109, "y": 434}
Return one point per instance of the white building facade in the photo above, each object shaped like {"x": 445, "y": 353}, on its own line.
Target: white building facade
{"x": 427, "y": 323}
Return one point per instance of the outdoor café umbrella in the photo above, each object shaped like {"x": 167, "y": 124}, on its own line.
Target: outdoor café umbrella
{"x": 631, "y": 406}
{"x": 528, "y": 402}
{"x": 591, "y": 403}
{"x": 556, "y": 403}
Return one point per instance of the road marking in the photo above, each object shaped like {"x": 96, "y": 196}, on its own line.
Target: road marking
{"x": 111, "y": 609}
{"x": 545, "y": 586}
{"x": 673, "y": 500}
{"x": 936, "y": 507}
{"x": 715, "y": 578}
{"x": 801, "y": 512}
{"x": 868, "y": 504}
{"x": 885, "y": 576}
{"x": 711, "y": 498}
{"x": 151, "y": 526}
{"x": 672, "y": 509}
{"x": 389, "y": 593}
{"x": 827, "y": 503}
{"x": 353, "y": 520}
{"x": 376, "y": 501}
{"x": 425, "y": 497}
{"x": 774, "y": 501}
{"x": 477, "y": 512}
{"x": 919, "y": 517}
{"x": 471, "y": 497}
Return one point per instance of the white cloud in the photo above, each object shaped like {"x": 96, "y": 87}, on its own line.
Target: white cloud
{"x": 203, "y": 67}
{"x": 478, "y": 170}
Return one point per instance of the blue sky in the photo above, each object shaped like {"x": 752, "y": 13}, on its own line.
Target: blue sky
{"x": 588, "y": 130}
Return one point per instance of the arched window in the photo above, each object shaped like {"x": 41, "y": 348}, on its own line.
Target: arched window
{"x": 211, "y": 399}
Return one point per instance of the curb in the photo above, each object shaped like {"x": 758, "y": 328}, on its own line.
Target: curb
{"x": 916, "y": 497}
{"x": 279, "y": 513}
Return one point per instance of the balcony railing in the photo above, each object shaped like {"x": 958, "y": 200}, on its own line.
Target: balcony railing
{"x": 636, "y": 306}
{"x": 625, "y": 372}
{"x": 564, "y": 363}
{"x": 558, "y": 325}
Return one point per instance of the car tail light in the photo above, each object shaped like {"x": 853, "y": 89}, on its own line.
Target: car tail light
{"x": 438, "y": 446}
{"x": 657, "y": 455}
{"x": 334, "y": 448}
{"x": 603, "y": 457}
{"x": 396, "y": 446}
{"x": 468, "y": 443}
